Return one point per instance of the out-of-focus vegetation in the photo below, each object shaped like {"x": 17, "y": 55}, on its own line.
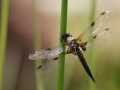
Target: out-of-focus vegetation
{"x": 37, "y": 45}
{"x": 3, "y": 34}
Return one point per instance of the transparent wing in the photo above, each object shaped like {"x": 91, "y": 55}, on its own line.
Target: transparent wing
{"x": 47, "y": 66}
{"x": 94, "y": 36}
{"x": 46, "y": 53}
{"x": 95, "y": 27}
{"x": 97, "y": 40}
{"x": 52, "y": 64}
{"x": 50, "y": 59}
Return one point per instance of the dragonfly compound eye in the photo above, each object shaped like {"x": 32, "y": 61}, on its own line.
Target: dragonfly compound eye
{"x": 65, "y": 36}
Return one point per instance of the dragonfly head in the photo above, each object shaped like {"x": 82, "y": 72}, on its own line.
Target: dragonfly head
{"x": 65, "y": 36}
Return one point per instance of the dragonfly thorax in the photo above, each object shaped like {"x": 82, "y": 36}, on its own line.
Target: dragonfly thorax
{"x": 67, "y": 38}
{"x": 70, "y": 40}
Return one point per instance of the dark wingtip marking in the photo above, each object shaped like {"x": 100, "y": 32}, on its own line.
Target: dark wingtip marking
{"x": 39, "y": 67}
{"x": 93, "y": 24}
{"x": 107, "y": 29}
{"x": 95, "y": 36}
{"x": 56, "y": 58}
{"x": 102, "y": 13}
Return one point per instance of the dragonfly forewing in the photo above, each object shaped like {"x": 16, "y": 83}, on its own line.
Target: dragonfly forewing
{"x": 95, "y": 27}
{"x": 46, "y": 53}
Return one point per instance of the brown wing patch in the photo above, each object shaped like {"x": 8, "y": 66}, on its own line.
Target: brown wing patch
{"x": 107, "y": 29}
{"x": 83, "y": 43}
{"x": 48, "y": 49}
{"x": 95, "y": 36}
{"x": 39, "y": 67}
{"x": 93, "y": 24}
{"x": 102, "y": 13}
{"x": 79, "y": 38}
{"x": 56, "y": 58}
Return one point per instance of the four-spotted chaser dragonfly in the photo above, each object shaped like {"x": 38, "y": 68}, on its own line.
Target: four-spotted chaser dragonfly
{"x": 90, "y": 39}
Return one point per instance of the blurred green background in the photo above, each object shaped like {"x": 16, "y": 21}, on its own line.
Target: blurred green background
{"x": 19, "y": 71}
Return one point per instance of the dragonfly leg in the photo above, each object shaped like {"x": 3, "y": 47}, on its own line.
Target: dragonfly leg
{"x": 63, "y": 44}
{"x": 83, "y": 45}
{"x": 69, "y": 50}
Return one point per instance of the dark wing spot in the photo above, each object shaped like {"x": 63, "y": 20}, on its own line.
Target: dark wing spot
{"x": 93, "y": 24}
{"x": 85, "y": 43}
{"x": 48, "y": 49}
{"x": 95, "y": 36}
{"x": 56, "y": 58}
{"x": 106, "y": 29}
{"x": 83, "y": 48}
{"x": 39, "y": 67}
{"x": 102, "y": 13}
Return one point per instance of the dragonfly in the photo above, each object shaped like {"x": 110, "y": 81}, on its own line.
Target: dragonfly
{"x": 91, "y": 38}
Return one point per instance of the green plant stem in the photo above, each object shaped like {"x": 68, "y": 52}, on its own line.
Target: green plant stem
{"x": 60, "y": 81}
{"x": 3, "y": 35}
{"x": 91, "y": 58}
{"x": 92, "y": 11}
{"x": 37, "y": 45}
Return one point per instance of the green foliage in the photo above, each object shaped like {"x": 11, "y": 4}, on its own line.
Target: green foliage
{"x": 3, "y": 35}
